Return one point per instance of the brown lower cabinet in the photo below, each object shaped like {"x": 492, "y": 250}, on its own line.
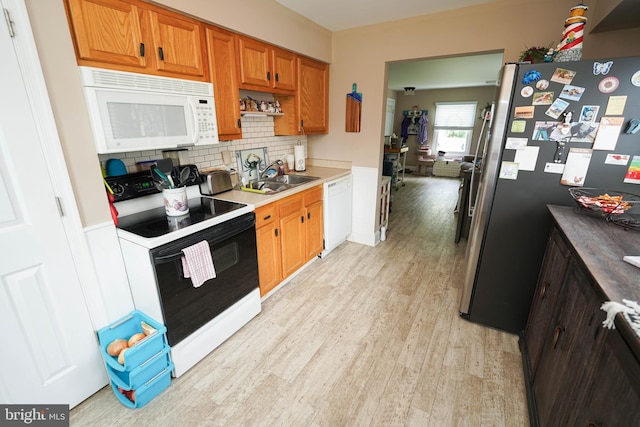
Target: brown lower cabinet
{"x": 578, "y": 372}
{"x": 289, "y": 232}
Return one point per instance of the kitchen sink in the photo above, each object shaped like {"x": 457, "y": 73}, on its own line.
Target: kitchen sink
{"x": 292, "y": 179}
{"x": 277, "y": 184}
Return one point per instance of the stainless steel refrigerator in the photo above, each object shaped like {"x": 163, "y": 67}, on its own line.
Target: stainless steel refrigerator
{"x": 548, "y": 120}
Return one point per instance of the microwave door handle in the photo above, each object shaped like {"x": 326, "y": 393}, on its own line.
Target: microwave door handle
{"x": 194, "y": 121}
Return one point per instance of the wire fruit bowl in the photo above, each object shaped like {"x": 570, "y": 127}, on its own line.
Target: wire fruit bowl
{"x": 626, "y": 221}
{"x": 615, "y": 206}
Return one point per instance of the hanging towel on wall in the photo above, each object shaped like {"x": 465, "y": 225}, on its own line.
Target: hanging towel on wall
{"x": 422, "y": 129}
{"x": 197, "y": 263}
{"x": 404, "y": 129}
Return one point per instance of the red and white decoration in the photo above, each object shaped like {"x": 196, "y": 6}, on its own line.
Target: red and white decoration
{"x": 570, "y": 48}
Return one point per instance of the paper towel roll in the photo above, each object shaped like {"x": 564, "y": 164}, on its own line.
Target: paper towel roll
{"x": 298, "y": 154}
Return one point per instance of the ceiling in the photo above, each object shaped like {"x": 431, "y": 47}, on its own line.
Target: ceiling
{"x": 441, "y": 73}
{"x": 623, "y": 15}
{"x": 336, "y": 15}
{"x": 467, "y": 71}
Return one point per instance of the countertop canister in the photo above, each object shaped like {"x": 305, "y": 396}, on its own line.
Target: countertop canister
{"x": 175, "y": 201}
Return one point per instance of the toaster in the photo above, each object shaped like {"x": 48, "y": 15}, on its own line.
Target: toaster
{"x": 214, "y": 182}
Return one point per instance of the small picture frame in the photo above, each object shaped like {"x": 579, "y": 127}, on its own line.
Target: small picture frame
{"x": 251, "y": 160}
{"x": 589, "y": 113}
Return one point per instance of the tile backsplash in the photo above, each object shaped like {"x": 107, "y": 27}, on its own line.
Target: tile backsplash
{"x": 256, "y": 132}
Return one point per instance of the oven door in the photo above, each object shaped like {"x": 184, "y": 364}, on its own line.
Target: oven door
{"x": 233, "y": 249}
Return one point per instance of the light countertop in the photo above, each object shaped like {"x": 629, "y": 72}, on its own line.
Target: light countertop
{"x": 251, "y": 200}
{"x": 256, "y": 200}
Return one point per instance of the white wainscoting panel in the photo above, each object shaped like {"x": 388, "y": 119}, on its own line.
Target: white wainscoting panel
{"x": 365, "y": 198}
{"x": 113, "y": 285}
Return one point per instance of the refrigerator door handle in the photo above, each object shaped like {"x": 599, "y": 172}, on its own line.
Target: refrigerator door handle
{"x": 488, "y": 180}
{"x": 486, "y": 123}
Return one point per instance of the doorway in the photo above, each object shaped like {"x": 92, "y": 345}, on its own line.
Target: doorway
{"x": 457, "y": 80}
{"x": 461, "y": 78}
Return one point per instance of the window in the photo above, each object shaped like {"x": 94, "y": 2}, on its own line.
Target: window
{"x": 453, "y": 127}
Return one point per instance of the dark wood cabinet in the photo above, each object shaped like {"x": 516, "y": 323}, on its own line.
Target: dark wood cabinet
{"x": 565, "y": 359}
{"x": 614, "y": 399}
{"x": 554, "y": 265}
{"x": 578, "y": 372}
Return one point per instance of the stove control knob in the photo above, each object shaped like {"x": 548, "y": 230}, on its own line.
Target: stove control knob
{"x": 118, "y": 189}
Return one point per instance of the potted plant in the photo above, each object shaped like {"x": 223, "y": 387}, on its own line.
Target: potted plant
{"x": 534, "y": 54}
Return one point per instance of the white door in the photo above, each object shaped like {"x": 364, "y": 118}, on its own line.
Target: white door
{"x": 389, "y": 116}
{"x": 49, "y": 351}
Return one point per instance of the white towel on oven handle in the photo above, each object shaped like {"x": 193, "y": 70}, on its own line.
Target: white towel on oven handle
{"x": 197, "y": 263}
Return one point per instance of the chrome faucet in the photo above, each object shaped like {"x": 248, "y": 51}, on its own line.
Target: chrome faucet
{"x": 280, "y": 164}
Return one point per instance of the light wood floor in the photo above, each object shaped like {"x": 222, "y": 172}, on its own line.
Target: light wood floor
{"x": 368, "y": 336}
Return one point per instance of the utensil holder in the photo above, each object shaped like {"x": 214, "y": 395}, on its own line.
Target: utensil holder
{"x": 175, "y": 201}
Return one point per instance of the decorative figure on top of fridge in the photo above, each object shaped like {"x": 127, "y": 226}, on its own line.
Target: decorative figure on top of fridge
{"x": 570, "y": 48}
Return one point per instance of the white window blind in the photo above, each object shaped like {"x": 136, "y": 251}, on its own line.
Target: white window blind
{"x": 453, "y": 127}
{"x": 455, "y": 114}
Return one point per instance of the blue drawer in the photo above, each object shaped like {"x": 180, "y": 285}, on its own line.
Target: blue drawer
{"x": 146, "y": 392}
{"x": 148, "y": 369}
{"x": 141, "y": 351}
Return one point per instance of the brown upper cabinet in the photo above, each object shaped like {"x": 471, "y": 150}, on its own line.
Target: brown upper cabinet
{"x": 308, "y": 111}
{"x": 264, "y": 67}
{"x": 221, "y": 50}
{"x": 178, "y": 43}
{"x": 131, "y": 35}
{"x": 313, "y": 95}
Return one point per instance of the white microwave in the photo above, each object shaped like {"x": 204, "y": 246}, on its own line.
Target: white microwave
{"x": 134, "y": 112}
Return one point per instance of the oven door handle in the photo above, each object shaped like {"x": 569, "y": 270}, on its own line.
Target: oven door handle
{"x": 172, "y": 257}
{"x": 234, "y": 228}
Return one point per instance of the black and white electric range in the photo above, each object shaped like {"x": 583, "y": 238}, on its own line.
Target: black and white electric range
{"x": 198, "y": 319}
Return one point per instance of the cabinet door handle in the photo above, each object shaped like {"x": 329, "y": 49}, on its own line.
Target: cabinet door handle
{"x": 308, "y": 215}
{"x": 556, "y": 335}
{"x": 302, "y": 219}
{"x": 266, "y": 217}
{"x": 161, "y": 54}
{"x": 239, "y": 124}
{"x": 277, "y": 77}
{"x": 276, "y": 230}
{"x": 543, "y": 289}
{"x": 269, "y": 75}
{"x": 141, "y": 49}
